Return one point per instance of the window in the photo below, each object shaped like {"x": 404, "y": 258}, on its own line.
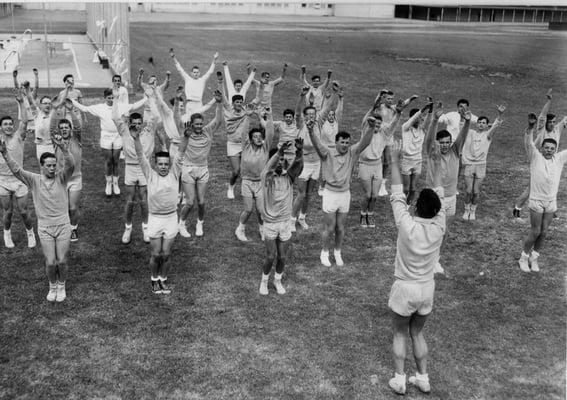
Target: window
{"x": 303, "y": 5}
{"x": 329, "y": 5}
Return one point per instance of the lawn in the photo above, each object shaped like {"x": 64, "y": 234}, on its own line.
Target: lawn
{"x": 499, "y": 335}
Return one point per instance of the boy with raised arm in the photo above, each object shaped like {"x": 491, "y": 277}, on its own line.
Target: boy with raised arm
{"x": 163, "y": 193}
{"x": 473, "y": 158}
{"x": 337, "y": 166}
{"x": 72, "y": 94}
{"x": 316, "y": 88}
{"x": 194, "y": 84}
{"x": 255, "y": 149}
{"x": 237, "y": 87}
{"x": 417, "y": 251}
{"x": 12, "y": 190}
{"x": 265, "y": 88}
{"x": 49, "y": 191}
{"x": 546, "y": 166}
{"x": 277, "y": 194}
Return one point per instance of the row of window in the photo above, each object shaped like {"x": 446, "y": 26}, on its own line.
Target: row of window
{"x": 317, "y": 6}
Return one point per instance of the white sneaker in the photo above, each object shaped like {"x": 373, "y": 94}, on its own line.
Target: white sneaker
{"x": 52, "y": 294}
{"x": 533, "y": 261}
{"x": 8, "y": 240}
{"x": 264, "y": 287}
{"x": 199, "y": 228}
{"x": 230, "y": 192}
{"x": 466, "y": 217}
{"x": 338, "y": 258}
{"x": 115, "y": 187}
{"x": 398, "y": 384}
{"x": 524, "y": 263}
{"x": 325, "y": 258}
{"x": 31, "y": 239}
{"x": 108, "y": 188}
{"x": 438, "y": 269}
{"x": 422, "y": 382}
{"x": 472, "y": 215}
{"x": 279, "y": 287}
{"x": 126, "y": 236}
{"x": 303, "y": 223}
{"x": 261, "y": 230}
{"x": 383, "y": 191}
{"x": 292, "y": 222}
{"x": 183, "y": 230}
{"x": 240, "y": 234}
{"x": 61, "y": 295}
{"x": 146, "y": 235}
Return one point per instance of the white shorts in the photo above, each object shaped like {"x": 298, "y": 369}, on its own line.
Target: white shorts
{"x": 43, "y": 148}
{"x": 165, "y": 226}
{"x": 251, "y": 189}
{"x": 335, "y": 201}
{"x": 275, "y": 230}
{"x": 133, "y": 175}
{"x": 542, "y": 206}
{"x": 407, "y": 298}
{"x": 233, "y": 149}
{"x": 310, "y": 171}
{"x": 476, "y": 170}
{"x": 54, "y": 234}
{"x": 449, "y": 204}
{"x": 10, "y": 185}
{"x": 75, "y": 183}
{"x": 368, "y": 172}
{"x": 409, "y": 167}
{"x": 192, "y": 174}
{"x": 111, "y": 142}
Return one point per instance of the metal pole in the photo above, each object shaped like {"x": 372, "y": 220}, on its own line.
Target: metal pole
{"x": 12, "y": 9}
{"x": 46, "y": 50}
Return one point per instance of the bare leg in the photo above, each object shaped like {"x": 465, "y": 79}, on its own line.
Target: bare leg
{"x": 546, "y": 220}
{"x": 536, "y": 223}
{"x": 420, "y": 350}
{"x": 400, "y": 326}
{"x": 235, "y": 166}
{"x": 329, "y": 223}
{"x": 300, "y": 198}
{"x": 340, "y": 223}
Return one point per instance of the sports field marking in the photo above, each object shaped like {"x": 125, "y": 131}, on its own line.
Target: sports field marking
{"x": 75, "y": 59}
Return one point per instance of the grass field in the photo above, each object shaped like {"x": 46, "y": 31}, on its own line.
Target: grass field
{"x": 500, "y": 335}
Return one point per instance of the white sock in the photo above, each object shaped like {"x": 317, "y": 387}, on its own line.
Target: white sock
{"x": 241, "y": 226}
{"x": 128, "y": 226}
{"x": 74, "y": 226}
{"x": 265, "y": 277}
{"x": 278, "y": 277}
{"x": 302, "y": 216}
{"x": 524, "y": 255}
{"x": 108, "y": 178}
{"x": 535, "y": 254}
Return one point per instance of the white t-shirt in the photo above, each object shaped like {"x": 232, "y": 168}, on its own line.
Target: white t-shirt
{"x": 545, "y": 174}
{"x": 475, "y": 149}
{"x": 453, "y": 123}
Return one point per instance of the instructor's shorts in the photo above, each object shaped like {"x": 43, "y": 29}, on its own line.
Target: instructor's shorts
{"x": 111, "y": 143}
{"x": 233, "y": 149}
{"x": 542, "y": 206}
{"x": 310, "y": 171}
{"x": 133, "y": 175}
{"x": 335, "y": 201}
{"x": 251, "y": 189}
{"x": 411, "y": 167}
{"x": 407, "y": 298}
{"x": 55, "y": 233}
{"x": 165, "y": 226}
{"x": 476, "y": 170}
{"x": 192, "y": 174}
{"x": 12, "y": 186}
{"x": 368, "y": 172}
{"x": 275, "y": 230}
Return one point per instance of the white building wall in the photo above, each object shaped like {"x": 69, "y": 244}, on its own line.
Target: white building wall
{"x": 71, "y": 6}
{"x": 365, "y": 10}
{"x": 232, "y": 7}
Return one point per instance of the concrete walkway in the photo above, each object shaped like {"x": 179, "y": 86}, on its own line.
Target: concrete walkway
{"x": 73, "y": 55}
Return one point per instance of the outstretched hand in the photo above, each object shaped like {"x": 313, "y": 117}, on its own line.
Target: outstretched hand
{"x": 171, "y": 52}
{"x": 532, "y": 120}
{"x": 218, "y": 96}
{"x": 58, "y": 140}
{"x": 467, "y": 115}
{"x": 549, "y": 94}
{"x": 310, "y": 124}
{"x": 298, "y": 144}
{"x": 284, "y": 147}
{"x": 18, "y": 95}
{"x": 304, "y": 90}
{"x": 501, "y": 108}
{"x": 35, "y": 71}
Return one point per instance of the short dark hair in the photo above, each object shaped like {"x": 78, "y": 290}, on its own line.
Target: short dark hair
{"x": 44, "y": 97}
{"x": 315, "y": 77}
{"x": 66, "y": 77}
{"x": 254, "y": 130}
{"x": 116, "y": 76}
{"x": 308, "y": 108}
{"x": 265, "y": 74}
{"x": 288, "y": 111}
{"x": 6, "y": 118}
{"x": 413, "y": 111}
{"x": 443, "y": 133}
{"x": 195, "y": 116}
{"x": 549, "y": 140}
{"x": 482, "y": 117}
{"x": 136, "y": 115}
{"x": 64, "y": 121}
{"x": 342, "y": 135}
{"x": 428, "y": 204}
{"x": 549, "y": 117}
{"x": 462, "y": 101}
{"x": 237, "y": 97}
{"x": 238, "y": 81}
{"x": 107, "y": 92}
{"x": 45, "y": 155}
{"x": 195, "y": 67}
{"x": 161, "y": 154}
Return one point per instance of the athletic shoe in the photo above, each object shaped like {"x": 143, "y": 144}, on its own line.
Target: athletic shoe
{"x": 383, "y": 191}
{"x": 466, "y": 216}
{"x": 74, "y": 235}
{"x": 8, "y": 239}
{"x": 370, "y": 220}
{"x": 199, "y": 228}
{"x": 422, "y": 382}
{"x": 325, "y": 258}
{"x": 240, "y": 234}
{"x": 524, "y": 263}
{"x": 126, "y": 236}
{"x": 398, "y": 384}
{"x": 292, "y": 223}
{"x": 52, "y": 294}
{"x": 472, "y": 215}
{"x": 31, "y": 238}
{"x": 115, "y": 187}
{"x": 146, "y": 235}
{"x": 230, "y": 192}
{"x": 302, "y": 223}
{"x": 164, "y": 287}
{"x": 438, "y": 269}
{"x": 261, "y": 230}
{"x": 108, "y": 188}
{"x": 61, "y": 295}
{"x": 183, "y": 230}
{"x": 533, "y": 261}
{"x": 264, "y": 287}
{"x": 156, "y": 289}
{"x": 338, "y": 258}
{"x": 279, "y": 287}
{"x": 364, "y": 220}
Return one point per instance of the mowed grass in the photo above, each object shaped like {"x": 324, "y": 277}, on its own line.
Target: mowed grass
{"x": 500, "y": 335}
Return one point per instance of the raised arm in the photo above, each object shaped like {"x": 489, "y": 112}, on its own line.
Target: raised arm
{"x": 178, "y": 66}
{"x": 327, "y": 80}
{"x": 299, "y": 107}
{"x": 459, "y": 143}
{"x": 321, "y": 149}
{"x": 429, "y": 142}
{"x": 35, "y": 82}
{"x": 497, "y": 122}
{"x": 211, "y": 69}
{"x": 269, "y": 129}
{"x": 528, "y": 136}
{"x": 282, "y": 77}
{"x": 303, "y": 77}
{"x": 15, "y": 77}
{"x": 367, "y": 133}
{"x": 60, "y": 100}
{"x": 215, "y": 124}
{"x": 88, "y": 109}
{"x": 23, "y": 125}
{"x": 165, "y": 85}
{"x": 229, "y": 82}
{"x": 17, "y": 170}
{"x": 340, "y": 106}
{"x": 297, "y": 166}
{"x": 68, "y": 162}
{"x": 119, "y": 120}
